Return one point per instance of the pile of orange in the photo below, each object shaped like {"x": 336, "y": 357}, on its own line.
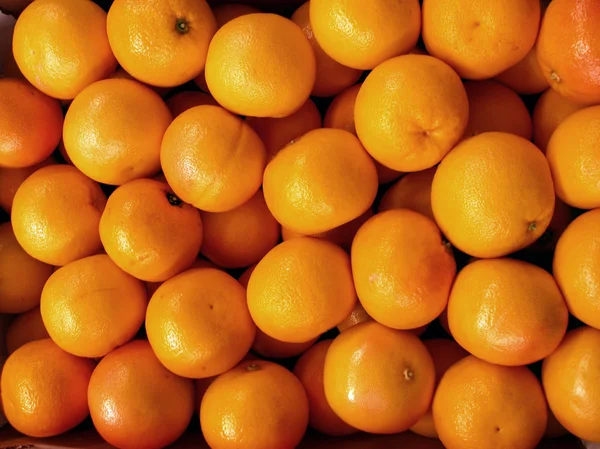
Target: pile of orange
{"x": 355, "y": 216}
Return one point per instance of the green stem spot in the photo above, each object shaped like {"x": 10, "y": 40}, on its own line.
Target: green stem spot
{"x": 182, "y": 26}
{"x": 173, "y": 200}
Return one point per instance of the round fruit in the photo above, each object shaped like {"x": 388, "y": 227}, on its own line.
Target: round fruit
{"x": 55, "y": 215}
{"x": 198, "y": 323}
{"x": 187, "y": 99}
{"x": 44, "y": 389}
{"x": 151, "y": 287}
{"x": 31, "y": 124}
{"x": 362, "y": 35}
{"x": 61, "y": 46}
{"x": 410, "y": 111}
{"x": 210, "y": 141}
{"x": 412, "y": 191}
{"x": 127, "y": 121}
{"x": 358, "y": 315}
{"x": 562, "y": 217}
{"x": 260, "y": 65}
{"x": 161, "y": 42}
{"x": 493, "y": 195}
{"x": 507, "y": 312}
{"x": 25, "y": 328}
{"x": 570, "y": 378}
{"x": 12, "y": 178}
{"x": 229, "y": 11}
{"x": 300, "y": 289}
{"x": 149, "y": 232}
{"x": 526, "y": 76}
{"x": 256, "y": 405}
{"x": 377, "y": 379}
{"x": 478, "y": 404}
{"x": 322, "y": 181}
{"x": 480, "y": 39}
{"x": 402, "y": 268}
{"x": 136, "y": 402}
{"x": 271, "y": 348}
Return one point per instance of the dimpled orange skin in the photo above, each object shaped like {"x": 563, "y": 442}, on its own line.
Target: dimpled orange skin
{"x": 256, "y": 405}
{"x": 212, "y": 159}
{"x": 300, "y": 289}
{"x": 377, "y": 379}
{"x": 444, "y": 353}
{"x": 149, "y": 232}
{"x": 493, "y": 195}
{"x": 271, "y": 348}
{"x": 187, "y": 99}
{"x": 22, "y": 277}
{"x": 563, "y": 216}
{"x": 309, "y": 370}
{"x": 357, "y": 316}
{"x": 260, "y": 65}
{"x": 526, "y": 76}
{"x": 485, "y": 406}
{"x": 576, "y": 267}
{"x": 332, "y": 77}
{"x": 151, "y": 287}
{"x": 198, "y": 323}
{"x": 570, "y": 378}
{"x": 120, "y": 73}
{"x": 161, "y": 42}
{"x": 31, "y": 124}
{"x": 568, "y": 49}
{"x": 480, "y": 39}
{"x": 91, "y": 306}
{"x": 573, "y": 152}
{"x": 25, "y": 328}
{"x": 276, "y": 133}
{"x": 322, "y": 181}
{"x": 12, "y": 178}
{"x": 412, "y": 191}
{"x": 507, "y": 312}
{"x": 240, "y": 237}
{"x": 127, "y": 121}
{"x": 362, "y": 37}
{"x": 61, "y": 46}
{"x": 402, "y": 269}
{"x": 494, "y": 107}
{"x": 44, "y": 389}
{"x": 410, "y": 111}
{"x": 549, "y": 111}
{"x": 55, "y": 215}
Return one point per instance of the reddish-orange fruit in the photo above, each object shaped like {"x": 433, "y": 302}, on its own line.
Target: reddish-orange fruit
{"x": 256, "y": 405}
{"x": 187, "y": 99}
{"x": 271, "y": 348}
{"x": 358, "y": 315}
{"x": 229, "y": 11}
{"x": 26, "y": 327}
{"x": 245, "y": 276}
{"x": 31, "y": 124}
{"x": 526, "y": 76}
{"x": 412, "y": 191}
{"x": 12, "y": 178}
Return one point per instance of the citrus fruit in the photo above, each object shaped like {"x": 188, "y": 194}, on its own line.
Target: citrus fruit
{"x": 410, "y": 111}
{"x": 245, "y": 276}
{"x": 402, "y": 268}
{"x": 562, "y": 217}
{"x": 357, "y": 316}
{"x": 187, "y": 99}
{"x": 322, "y": 181}
{"x": 271, "y": 348}
{"x": 526, "y": 76}
{"x": 12, "y": 178}
{"x": 120, "y": 73}
{"x": 151, "y": 287}
{"x": 229, "y": 11}
{"x": 412, "y": 191}
{"x": 26, "y": 327}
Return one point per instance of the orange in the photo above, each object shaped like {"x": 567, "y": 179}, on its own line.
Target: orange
{"x": 402, "y": 268}
{"x": 260, "y": 65}
{"x": 526, "y": 76}
{"x": 570, "y": 378}
{"x": 55, "y": 215}
{"x": 22, "y": 277}
{"x": 271, "y": 348}
{"x": 239, "y": 237}
{"x": 322, "y": 181}
{"x": 276, "y": 133}
{"x": 245, "y": 276}
{"x": 378, "y": 379}
{"x": 149, "y": 232}
{"x": 256, "y": 405}
{"x": 563, "y": 216}
{"x": 444, "y": 353}
{"x": 12, "y": 178}
{"x": 136, "y": 402}
{"x": 161, "y": 42}
{"x": 412, "y": 191}
{"x": 151, "y": 287}
{"x": 91, "y": 306}
{"x": 480, "y": 39}
{"x": 507, "y": 312}
{"x": 25, "y": 328}
{"x": 410, "y": 111}
{"x": 568, "y": 49}
{"x": 187, "y": 99}
{"x": 210, "y": 141}
{"x": 61, "y": 46}
{"x": 332, "y": 77}
{"x": 572, "y": 153}
{"x": 229, "y": 11}
{"x": 550, "y": 110}
{"x": 31, "y": 124}
{"x": 493, "y": 195}
{"x": 122, "y": 74}
{"x": 300, "y": 289}
{"x": 44, "y": 389}
{"x": 198, "y": 323}
{"x": 495, "y": 107}
{"x": 576, "y": 266}
{"x": 127, "y": 121}
{"x": 357, "y": 316}
{"x": 309, "y": 370}
{"x": 478, "y": 404}
{"x": 361, "y": 35}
